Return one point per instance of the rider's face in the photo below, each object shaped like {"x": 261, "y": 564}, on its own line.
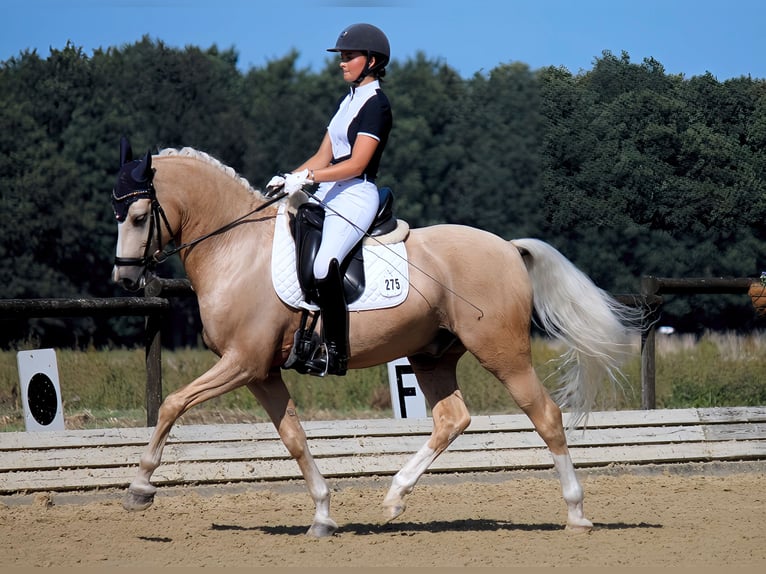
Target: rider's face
{"x": 352, "y": 64}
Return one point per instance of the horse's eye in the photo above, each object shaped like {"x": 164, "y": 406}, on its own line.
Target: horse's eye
{"x": 140, "y": 219}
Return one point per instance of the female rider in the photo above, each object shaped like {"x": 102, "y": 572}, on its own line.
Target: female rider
{"x": 345, "y": 167}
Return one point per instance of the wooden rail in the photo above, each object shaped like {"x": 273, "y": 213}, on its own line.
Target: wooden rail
{"x": 205, "y": 454}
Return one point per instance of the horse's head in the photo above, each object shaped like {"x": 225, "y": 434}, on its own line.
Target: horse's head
{"x": 138, "y": 213}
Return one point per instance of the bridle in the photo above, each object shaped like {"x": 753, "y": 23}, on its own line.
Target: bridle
{"x": 150, "y": 260}
{"x": 147, "y": 260}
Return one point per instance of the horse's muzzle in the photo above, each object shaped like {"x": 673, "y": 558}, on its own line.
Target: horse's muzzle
{"x": 130, "y": 281}
{"x": 131, "y": 285}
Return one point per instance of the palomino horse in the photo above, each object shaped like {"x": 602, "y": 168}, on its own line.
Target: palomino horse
{"x": 467, "y": 287}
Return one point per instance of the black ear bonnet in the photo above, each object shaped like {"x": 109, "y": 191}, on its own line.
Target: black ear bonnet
{"x": 134, "y": 181}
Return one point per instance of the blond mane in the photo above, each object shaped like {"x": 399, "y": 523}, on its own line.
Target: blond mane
{"x": 207, "y": 158}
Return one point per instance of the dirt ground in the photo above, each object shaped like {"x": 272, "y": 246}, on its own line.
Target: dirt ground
{"x": 675, "y": 515}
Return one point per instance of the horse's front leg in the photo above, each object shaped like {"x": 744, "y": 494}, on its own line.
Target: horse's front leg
{"x": 275, "y": 398}
{"x": 437, "y": 380}
{"x": 223, "y": 377}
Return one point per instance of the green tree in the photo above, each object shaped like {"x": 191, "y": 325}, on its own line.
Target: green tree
{"x": 497, "y": 134}
{"x": 425, "y": 96}
{"x": 626, "y": 169}
{"x": 287, "y": 112}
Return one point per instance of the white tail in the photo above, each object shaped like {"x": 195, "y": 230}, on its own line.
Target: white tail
{"x": 598, "y": 329}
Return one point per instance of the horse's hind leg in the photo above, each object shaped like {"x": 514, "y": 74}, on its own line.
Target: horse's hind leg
{"x": 531, "y": 396}
{"x": 437, "y": 380}
{"x": 529, "y": 393}
{"x": 275, "y": 398}
{"x": 224, "y": 376}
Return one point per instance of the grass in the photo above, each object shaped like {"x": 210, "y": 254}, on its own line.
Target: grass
{"x": 716, "y": 370}
{"x": 105, "y": 388}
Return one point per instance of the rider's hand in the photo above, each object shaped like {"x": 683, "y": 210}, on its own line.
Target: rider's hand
{"x": 295, "y": 181}
{"x": 275, "y": 185}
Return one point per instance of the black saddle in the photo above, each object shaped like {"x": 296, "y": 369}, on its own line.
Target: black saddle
{"x": 306, "y": 227}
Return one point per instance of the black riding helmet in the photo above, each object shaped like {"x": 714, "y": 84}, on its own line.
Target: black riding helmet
{"x": 369, "y": 40}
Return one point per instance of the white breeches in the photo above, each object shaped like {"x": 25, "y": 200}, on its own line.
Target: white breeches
{"x": 353, "y": 205}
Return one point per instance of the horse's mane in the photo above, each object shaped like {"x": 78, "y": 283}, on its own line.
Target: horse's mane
{"x": 207, "y": 158}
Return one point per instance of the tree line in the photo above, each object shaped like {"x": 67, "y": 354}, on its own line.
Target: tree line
{"x": 626, "y": 169}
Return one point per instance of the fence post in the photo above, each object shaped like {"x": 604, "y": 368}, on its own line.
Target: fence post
{"x": 652, "y": 305}
{"x": 153, "y": 367}
{"x": 161, "y": 288}
{"x": 153, "y": 357}
{"x": 648, "y": 400}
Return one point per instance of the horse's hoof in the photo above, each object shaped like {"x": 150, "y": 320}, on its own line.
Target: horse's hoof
{"x": 136, "y": 501}
{"x": 322, "y": 529}
{"x": 393, "y": 511}
{"x": 581, "y": 526}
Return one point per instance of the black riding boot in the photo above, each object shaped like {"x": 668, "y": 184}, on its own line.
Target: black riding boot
{"x": 332, "y": 356}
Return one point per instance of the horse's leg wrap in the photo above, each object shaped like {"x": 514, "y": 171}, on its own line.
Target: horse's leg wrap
{"x": 573, "y": 494}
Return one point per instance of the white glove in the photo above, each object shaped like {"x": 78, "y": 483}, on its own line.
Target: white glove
{"x": 275, "y": 184}
{"x": 295, "y": 181}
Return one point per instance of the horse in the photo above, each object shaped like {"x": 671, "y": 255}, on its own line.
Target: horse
{"x": 468, "y": 291}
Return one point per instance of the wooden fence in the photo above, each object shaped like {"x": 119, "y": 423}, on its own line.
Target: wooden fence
{"x": 152, "y": 308}
{"x": 157, "y": 292}
{"x": 652, "y": 290}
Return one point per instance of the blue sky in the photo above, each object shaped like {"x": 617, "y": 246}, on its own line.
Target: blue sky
{"x": 689, "y": 37}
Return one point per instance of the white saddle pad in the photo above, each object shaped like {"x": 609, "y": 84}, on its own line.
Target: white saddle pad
{"x": 385, "y": 268}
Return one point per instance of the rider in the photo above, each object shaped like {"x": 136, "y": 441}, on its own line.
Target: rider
{"x": 345, "y": 166}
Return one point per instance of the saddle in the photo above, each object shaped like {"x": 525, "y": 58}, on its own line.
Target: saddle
{"x": 306, "y": 228}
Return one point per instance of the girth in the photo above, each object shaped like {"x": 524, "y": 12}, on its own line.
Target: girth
{"x": 306, "y": 227}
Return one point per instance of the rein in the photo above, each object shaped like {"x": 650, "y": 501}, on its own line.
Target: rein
{"x": 161, "y": 255}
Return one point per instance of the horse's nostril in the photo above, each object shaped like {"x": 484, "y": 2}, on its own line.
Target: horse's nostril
{"x": 128, "y": 284}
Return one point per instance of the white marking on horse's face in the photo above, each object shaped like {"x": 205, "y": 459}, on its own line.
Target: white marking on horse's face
{"x": 132, "y": 235}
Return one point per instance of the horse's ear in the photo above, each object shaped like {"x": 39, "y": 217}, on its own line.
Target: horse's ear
{"x": 143, "y": 171}
{"x": 126, "y": 153}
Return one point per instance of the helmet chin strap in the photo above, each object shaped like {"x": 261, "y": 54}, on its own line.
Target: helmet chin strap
{"x": 365, "y": 72}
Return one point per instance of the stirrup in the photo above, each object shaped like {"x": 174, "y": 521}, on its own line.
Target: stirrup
{"x": 305, "y": 344}
{"x": 326, "y": 361}
{"x": 318, "y": 365}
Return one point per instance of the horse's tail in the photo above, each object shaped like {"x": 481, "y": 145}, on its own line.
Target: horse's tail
{"x": 597, "y": 328}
